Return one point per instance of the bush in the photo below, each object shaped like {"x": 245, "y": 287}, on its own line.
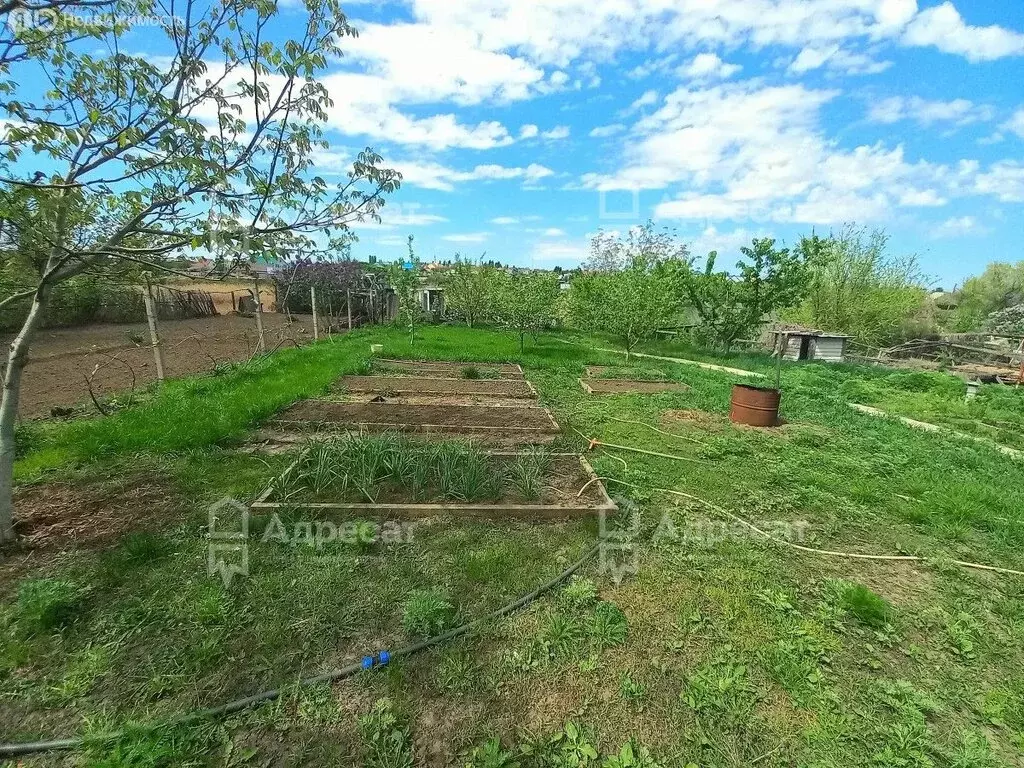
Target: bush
{"x": 428, "y": 613}
{"x": 45, "y": 604}
{"x": 864, "y": 605}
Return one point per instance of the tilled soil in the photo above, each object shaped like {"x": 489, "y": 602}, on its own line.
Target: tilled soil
{"x": 628, "y": 386}
{"x": 448, "y": 370}
{"x": 117, "y": 358}
{"x": 420, "y": 417}
{"x": 407, "y": 385}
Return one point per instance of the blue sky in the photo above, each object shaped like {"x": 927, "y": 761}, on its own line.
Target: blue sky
{"x": 523, "y": 127}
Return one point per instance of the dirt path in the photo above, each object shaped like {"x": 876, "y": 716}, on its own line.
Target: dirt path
{"x": 62, "y": 358}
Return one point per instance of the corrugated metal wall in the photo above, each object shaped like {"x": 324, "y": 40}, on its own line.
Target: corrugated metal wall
{"x": 828, "y": 349}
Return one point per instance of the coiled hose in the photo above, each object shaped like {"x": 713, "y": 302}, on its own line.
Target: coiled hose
{"x": 367, "y": 662}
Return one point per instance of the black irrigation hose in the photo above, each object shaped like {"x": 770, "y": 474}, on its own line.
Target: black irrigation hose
{"x": 368, "y": 662}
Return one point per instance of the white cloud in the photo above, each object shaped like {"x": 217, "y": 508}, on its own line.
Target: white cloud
{"x": 561, "y": 252}
{"x": 943, "y": 27}
{"x": 835, "y": 59}
{"x": 717, "y": 164}
{"x": 467, "y": 237}
{"x": 393, "y": 217}
{"x": 1016, "y": 123}
{"x": 925, "y": 112}
{"x": 528, "y": 131}
{"x": 646, "y": 99}
{"x": 1004, "y": 180}
{"x": 556, "y": 133}
{"x": 431, "y": 175}
{"x": 603, "y": 131}
{"x": 957, "y": 227}
{"x": 505, "y": 220}
{"x": 708, "y": 65}
{"x": 548, "y": 232}
{"x": 726, "y": 243}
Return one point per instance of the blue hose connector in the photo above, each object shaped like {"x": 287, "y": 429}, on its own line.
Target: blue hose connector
{"x": 384, "y": 657}
{"x": 367, "y": 662}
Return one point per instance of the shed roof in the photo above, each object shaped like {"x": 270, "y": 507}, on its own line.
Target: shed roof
{"x": 799, "y": 330}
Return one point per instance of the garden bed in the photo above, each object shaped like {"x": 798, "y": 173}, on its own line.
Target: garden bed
{"x": 408, "y": 385}
{"x": 634, "y": 373}
{"x": 393, "y": 476}
{"x": 421, "y": 418}
{"x": 450, "y": 370}
{"x": 629, "y": 386}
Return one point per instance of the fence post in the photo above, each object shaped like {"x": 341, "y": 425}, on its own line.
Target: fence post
{"x": 348, "y": 306}
{"x": 312, "y": 300}
{"x": 234, "y": 307}
{"x": 154, "y": 336}
{"x": 261, "y": 343}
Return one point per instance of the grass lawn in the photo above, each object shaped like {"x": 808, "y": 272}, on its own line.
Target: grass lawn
{"x": 722, "y": 649}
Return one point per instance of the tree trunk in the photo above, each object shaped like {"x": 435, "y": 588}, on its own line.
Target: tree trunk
{"x": 16, "y": 362}
{"x": 522, "y": 342}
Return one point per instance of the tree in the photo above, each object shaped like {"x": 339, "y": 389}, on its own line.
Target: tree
{"x": 468, "y": 290}
{"x": 633, "y": 288}
{"x": 404, "y": 279}
{"x": 733, "y": 306}
{"x": 856, "y": 288}
{"x": 524, "y": 301}
{"x": 208, "y": 146}
{"x": 610, "y": 252}
{"x": 999, "y": 287}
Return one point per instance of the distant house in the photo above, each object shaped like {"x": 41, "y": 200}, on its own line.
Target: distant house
{"x": 809, "y": 344}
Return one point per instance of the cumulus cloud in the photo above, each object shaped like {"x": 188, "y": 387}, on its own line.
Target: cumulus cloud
{"x": 715, "y": 164}
{"x": 944, "y": 28}
{"x": 1016, "y": 123}
{"x": 467, "y": 237}
{"x": 603, "y": 131}
{"x": 925, "y": 112}
{"x": 708, "y": 65}
{"x": 432, "y": 175}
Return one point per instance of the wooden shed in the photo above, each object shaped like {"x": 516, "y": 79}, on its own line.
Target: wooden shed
{"x": 810, "y": 344}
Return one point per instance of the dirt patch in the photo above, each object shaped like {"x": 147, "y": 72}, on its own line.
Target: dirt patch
{"x": 62, "y": 358}
{"x": 447, "y": 369}
{"x": 713, "y": 422}
{"x": 408, "y": 385}
{"x": 630, "y": 386}
{"x": 618, "y": 372}
{"x": 59, "y": 514}
{"x": 719, "y": 422}
{"x": 421, "y": 417}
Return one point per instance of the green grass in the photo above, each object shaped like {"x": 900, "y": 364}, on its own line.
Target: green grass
{"x": 721, "y": 650}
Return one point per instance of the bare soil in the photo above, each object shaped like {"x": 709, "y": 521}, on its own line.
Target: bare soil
{"x": 54, "y": 517}
{"x": 614, "y": 372}
{"x": 366, "y": 397}
{"x": 61, "y": 359}
{"x": 421, "y": 417}
{"x": 628, "y": 386}
{"x": 447, "y": 370}
{"x": 408, "y": 385}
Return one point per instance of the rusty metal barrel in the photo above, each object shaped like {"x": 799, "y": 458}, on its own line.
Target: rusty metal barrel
{"x": 756, "y": 406}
